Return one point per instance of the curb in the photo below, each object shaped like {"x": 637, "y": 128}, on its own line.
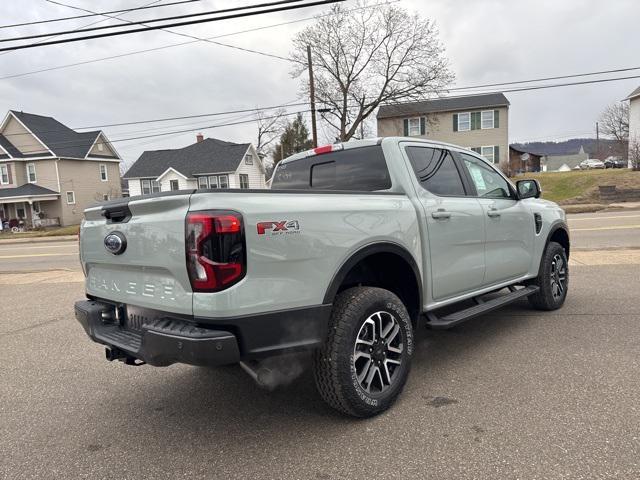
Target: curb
{"x": 60, "y": 238}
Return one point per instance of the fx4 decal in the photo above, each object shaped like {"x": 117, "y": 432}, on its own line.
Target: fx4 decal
{"x": 284, "y": 227}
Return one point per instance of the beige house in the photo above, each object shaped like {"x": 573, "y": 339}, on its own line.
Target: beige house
{"x": 478, "y": 122}
{"x": 208, "y": 163}
{"x": 50, "y": 173}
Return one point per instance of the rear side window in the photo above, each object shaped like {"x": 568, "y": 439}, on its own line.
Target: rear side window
{"x": 436, "y": 170}
{"x": 361, "y": 169}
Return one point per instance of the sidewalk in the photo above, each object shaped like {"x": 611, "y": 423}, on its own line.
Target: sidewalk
{"x": 51, "y": 238}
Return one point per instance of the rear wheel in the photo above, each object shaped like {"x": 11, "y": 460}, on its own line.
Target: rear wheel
{"x": 364, "y": 363}
{"x": 553, "y": 279}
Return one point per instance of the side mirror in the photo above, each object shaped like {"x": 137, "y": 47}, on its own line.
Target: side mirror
{"x": 528, "y": 189}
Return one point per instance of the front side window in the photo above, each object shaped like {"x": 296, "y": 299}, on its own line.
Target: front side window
{"x": 4, "y": 174}
{"x": 71, "y": 198}
{"x": 436, "y": 170}
{"x": 155, "y": 186}
{"x": 145, "y": 187}
{"x": 213, "y": 181}
{"x": 488, "y": 182}
{"x": 487, "y": 119}
{"x": 31, "y": 172}
{"x": 223, "y": 181}
{"x": 464, "y": 122}
{"x": 202, "y": 182}
{"x": 244, "y": 180}
{"x": 173, "y": 185}
{"x": 103, "y": 172}
{"x": 362, "y": 169}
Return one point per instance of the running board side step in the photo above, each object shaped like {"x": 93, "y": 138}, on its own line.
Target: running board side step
{"x": 481, "y": 308}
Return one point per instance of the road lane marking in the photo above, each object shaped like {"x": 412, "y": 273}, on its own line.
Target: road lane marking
{"x": 612, "y": 227}
{"x": 602, "y": 218}
{"x": 33, "y": 248}
{"x": 40, "y": 255}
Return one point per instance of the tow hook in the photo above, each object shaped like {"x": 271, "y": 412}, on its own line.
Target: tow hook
{"x": 112, "y": 354}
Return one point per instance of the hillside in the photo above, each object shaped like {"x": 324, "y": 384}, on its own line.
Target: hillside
{"x": 571, "y": 146}
{"x": 581, "y": 186}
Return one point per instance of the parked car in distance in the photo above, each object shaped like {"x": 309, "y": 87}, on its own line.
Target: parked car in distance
{"x": 591, "y": 163}
{"x": 615, "y": 162}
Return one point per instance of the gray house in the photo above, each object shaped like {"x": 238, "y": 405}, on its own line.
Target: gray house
{"x": 208, "y": 163}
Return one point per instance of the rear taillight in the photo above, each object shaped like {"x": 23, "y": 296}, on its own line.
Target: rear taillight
{"x": 216, "y": 257}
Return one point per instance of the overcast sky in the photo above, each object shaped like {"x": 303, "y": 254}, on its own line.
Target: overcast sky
{"x": 486, "y": 41}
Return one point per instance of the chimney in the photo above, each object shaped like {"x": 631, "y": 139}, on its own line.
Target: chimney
{"x": 199, "y": 137}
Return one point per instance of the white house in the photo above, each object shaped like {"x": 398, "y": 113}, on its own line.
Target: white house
{"x": 634, "y": 116}
{"x": 208, "y": 163}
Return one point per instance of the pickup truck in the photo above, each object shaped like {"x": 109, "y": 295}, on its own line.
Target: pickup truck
{"x": 354, "y": 247}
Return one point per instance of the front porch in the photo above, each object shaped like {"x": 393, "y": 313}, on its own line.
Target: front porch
{"x": 28, "y": 207}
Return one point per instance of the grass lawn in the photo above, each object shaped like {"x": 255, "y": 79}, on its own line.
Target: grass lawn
{"x": 581, "y": 186}
{"x": 48, "y": 232}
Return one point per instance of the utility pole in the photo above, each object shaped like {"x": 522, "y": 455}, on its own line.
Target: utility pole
{"x": 598, "y": 140}
{"x": 312, "y": 94}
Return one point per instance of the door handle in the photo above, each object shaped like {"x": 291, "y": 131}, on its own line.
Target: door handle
{"x": 493, "y": 212}
{"x": 441, "y": 215}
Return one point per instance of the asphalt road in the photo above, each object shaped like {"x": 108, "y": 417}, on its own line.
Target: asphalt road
{"x": 605, "y": 230}
{"x": 514, "y": 394}
{"x": 35, "y": 257}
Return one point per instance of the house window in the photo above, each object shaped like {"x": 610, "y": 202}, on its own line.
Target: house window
{"x": 488, "y": 153}
{"x": 248, "y": 159}
{"x": 36, "y": 207}
{"x": 4, "y": 174}
{"x": 244, "y": 180}
{"x": 487, "y": 119}
{"x": 202, "y": 182}
{"x": 31, "y": 172}
{"x": 103, "y": 172}
{"x": 71, "y": 198}
{"x": 155, "y": 186}
{"x": 223, "y": 181}
{"x": 21, "y": 212}
{"x": 213, "y": 181}
{"x": 100, "y": 146}
{"x": 145, "y": 187}
{"x": 414, "y": 127}
{"x": 173, "y": 185}
{"x": 464, "y": 122}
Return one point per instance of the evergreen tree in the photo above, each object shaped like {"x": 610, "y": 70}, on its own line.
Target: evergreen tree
{"x": 294, "y": 139}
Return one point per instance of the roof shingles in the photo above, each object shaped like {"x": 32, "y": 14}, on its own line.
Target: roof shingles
{"x": 208, "y": 156}
{"x": 445, "y": 104}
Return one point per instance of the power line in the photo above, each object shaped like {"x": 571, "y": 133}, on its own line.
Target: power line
{"x": 617, "y": 70}
{"x": 155, "y": 49}
{"x": 177, "y": 24}
{"x": 61, "y": 19}
{"x": 243, "y": 49}
{"x": 151, "y": 20}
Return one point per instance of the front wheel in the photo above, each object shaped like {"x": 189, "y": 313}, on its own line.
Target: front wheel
{"x": 364, "y": 363}
{"x": 553, "y": 279}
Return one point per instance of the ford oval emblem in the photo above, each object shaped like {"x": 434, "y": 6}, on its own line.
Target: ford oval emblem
{"x": 115, "y": 243}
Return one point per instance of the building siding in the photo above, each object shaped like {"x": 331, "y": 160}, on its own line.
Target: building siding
{"x": 255, "y": 172}
{"x": 83, "y": 178}
{"x": 634, "y": 119}
{"x": 439, "y": 127}
{"x": 22, "y": 139}
{"x": 46, "y": 175}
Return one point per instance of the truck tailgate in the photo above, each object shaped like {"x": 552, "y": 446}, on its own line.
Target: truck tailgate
{"x": 151, "y": 271}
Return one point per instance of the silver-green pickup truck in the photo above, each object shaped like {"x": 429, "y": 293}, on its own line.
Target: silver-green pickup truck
{"x": 353, "y": 248}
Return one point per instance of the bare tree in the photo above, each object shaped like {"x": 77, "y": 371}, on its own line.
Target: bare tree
{"x": 614, "y": 121}
{"x": 367, "y": 57}
{"x": 269, "y": 128}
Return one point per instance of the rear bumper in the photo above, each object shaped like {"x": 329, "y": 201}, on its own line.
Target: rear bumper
{"x": 161, "y": 338}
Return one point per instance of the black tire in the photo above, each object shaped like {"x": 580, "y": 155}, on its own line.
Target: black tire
{"x": 336, "y": 368}
{"x": 552, "y": 281}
